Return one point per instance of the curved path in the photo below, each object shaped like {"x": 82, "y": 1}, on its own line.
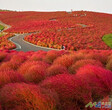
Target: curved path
{"x": 21, "y": 44}
{"x": 5, "y": 25}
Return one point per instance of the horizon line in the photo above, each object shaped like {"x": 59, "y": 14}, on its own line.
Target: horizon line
{"x": 54, "y": 11}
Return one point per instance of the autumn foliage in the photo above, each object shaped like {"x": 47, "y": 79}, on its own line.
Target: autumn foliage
{"x": 71, "y": 31}
{"x": 5, "y": 43}
{"x": 50, "y": 81}
{"x": 21, "y": 96}
{"x": 66, "y": 79}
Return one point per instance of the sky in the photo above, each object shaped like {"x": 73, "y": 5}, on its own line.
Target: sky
{"x": 57, "y": 5}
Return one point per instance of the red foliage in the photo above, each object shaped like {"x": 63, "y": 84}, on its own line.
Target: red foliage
{"x": 68, "y": 59}
{"x": 10, "y": 76}
{"x": 21, "y": 96}
{"x": 97, "y": 56}
{"x": 57, "y": 29}
{"x": 14, "y": 62}
{"x": 0, "y": 107}
{"x": 36, "y": 57}
{"x": 24, "y": 68}
{"x": 10, "y": 65}
{"x": 2, "y": 56}
{"x": 98, "y": 78}
{"x": 18, "y": 58}
{"x": 57, "y": 89}
{"x": 35, "y": 73}
{"x": 80, "y": 63}
{"x": 51, "y": 56}
{"x": 65, "y": 60}
{"x": 5, "y": 43}
{"x": 56, "y": 69}
{"x": 72, "y": 93}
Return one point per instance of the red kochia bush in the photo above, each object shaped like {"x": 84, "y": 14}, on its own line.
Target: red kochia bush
{"x": 10, "y": 76}
{"x": 36, "y": 57}
{"x": 81, "y": 63}
{"x": 21, "y": 96}
{"x": 18, "y": 58}
{"x": 72, "y": 92}
{"x": 15, "y": 62}
{"x": 24, "y": 68}
{"x": 98, "y": 78}
{"x": 35, "y": 73}
{"x": 65, "y": 60}
{"x": 9, "y": 65}
{"x": 56, "y": 69}
{"x": 2, "y": 56}
{"x": 68, "y": 59}
{"x": 52, "y": 55}
{"x": 97, "y": 56}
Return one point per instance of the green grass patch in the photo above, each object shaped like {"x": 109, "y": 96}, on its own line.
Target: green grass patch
{"x": 1, "y": 27}
{"x": 2, "y": 35}
{"x": 108, "y": 39}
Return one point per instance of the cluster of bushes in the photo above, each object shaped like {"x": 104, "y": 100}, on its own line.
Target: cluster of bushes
{"x": 57, "y": 29}
{"x": 5, "y": 43}
{"x": 74, "y": 39}
{"x": 54, "y": 80}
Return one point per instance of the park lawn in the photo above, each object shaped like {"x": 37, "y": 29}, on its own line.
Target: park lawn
{"x": 108, "y": 39}
{"x": 1, "y": 27}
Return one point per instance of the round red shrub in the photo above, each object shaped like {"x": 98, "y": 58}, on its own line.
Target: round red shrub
{"x": 9, "y": 65}
{"x": 80, "y": 63}
{"x": 35, "y": 73}
{"x": 21, "y": 96}
{"x": 36, "y": 57}
{"x": 98, "y": 79}
{"x": 18, "y": 58}
{"x": 24, "y": 68}
{"x": 65, "y": 60}
{"x": 56, "y": 69}
{"x": 97, "y": 56}
{"x": 10, "y": 76}
{"x": 72, "y": 92}
{"x": 51, "y": 56}
{"x": 2, "y": 56}
{"x": 68, "y": 59}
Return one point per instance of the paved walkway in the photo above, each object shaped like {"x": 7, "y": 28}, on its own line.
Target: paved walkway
{"x": 5, "y": 25}
{"x": 21, "y": 44}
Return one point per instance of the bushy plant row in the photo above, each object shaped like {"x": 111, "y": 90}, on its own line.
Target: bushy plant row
{"x": 54, "y": 80}
{"x": 75, "y": 30}
{"x": 75, "y": 39}
{"x": 32, "y": 21}
{"x": 5, "y": 43}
